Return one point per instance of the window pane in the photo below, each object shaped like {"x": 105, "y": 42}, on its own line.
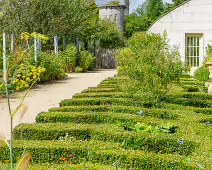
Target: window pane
{"x": 192, "y": 52}
{"x": 192, "y": 41}
{"x": 197, "y": 61}
{"x": 195, "y": 51}
{"x": 198, "y": 51}
{"x": 195, "y": 41}
{"x": 188, "y": 41}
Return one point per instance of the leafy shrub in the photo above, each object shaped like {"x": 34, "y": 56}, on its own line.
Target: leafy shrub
{"x": 143, "y": 127}
{"x": 202, "y": 74}
{"x": 109, "y": 35}
{"x": 69, "y": 58}
{"x": 53, "y": 65}
{"x": 151, "y": 65}
{"x": 86, "y": 59}
{"x": 26, "y": 75}
{"x": 78, "y": 70}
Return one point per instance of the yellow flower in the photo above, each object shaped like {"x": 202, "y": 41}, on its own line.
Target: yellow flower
{"x": 34, "y": 77}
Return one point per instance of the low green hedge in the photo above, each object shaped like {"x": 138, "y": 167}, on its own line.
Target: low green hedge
{"x": 134, "y": 97}
{"x": 92, "y": 117}
{"x": 159, "y": 143}
{"x": 95, "y": 152}
{"x": 193, "y": 95}
{"x": 158, "y": 113}
{"x": 103, "y": 94}
{"x": 192, "y": 88}
{"x": 205, "y": 111}
{"x": 66, "y": 165}
{"x": 190, "y": 82}
{"x": 95, "y": 90}
{"x": 207, "y": 121}
{"x": 188, "y": 102}
{"x": 100, "y": 101}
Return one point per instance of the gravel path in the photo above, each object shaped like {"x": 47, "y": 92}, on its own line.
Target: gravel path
{"x": 47, "y": 96}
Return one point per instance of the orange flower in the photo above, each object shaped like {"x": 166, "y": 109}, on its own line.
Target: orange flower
{"x": 7, "y": 161}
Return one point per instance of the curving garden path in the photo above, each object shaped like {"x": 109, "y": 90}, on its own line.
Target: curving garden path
{"x": 47, "y": 96}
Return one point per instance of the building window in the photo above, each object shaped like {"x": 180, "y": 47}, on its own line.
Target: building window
{"x": 193, "y": 47}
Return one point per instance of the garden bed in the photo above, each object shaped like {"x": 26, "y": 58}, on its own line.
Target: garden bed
{"x": 105, "y": 128}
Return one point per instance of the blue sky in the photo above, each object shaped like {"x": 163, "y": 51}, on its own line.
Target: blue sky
{"x": 133, "y": 3}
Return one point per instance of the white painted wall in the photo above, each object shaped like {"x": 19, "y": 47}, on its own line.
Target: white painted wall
{"x": 195, "y": 16}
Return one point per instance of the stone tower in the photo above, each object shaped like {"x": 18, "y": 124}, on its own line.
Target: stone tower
{"x": 115, "y": 13}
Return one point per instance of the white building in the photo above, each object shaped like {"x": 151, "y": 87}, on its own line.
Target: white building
{"x": 190, "y": 27}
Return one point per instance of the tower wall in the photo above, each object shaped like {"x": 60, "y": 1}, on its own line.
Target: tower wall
{"x": 115, "y": 13}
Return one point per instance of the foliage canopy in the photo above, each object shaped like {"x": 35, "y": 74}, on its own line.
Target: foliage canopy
{"x": 151, "y": 65}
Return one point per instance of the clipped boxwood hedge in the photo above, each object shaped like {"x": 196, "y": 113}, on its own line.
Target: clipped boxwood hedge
{"x": 158, "y": 113}
{"x": 95, "y": 90}
{"x": 66, "y": 165}
{"x": 99, "y": 101}
{"x": 90, "y": 117}
{"x": 189, "y": 102}
{"x": 205, "y": 111}
{"x": 161, "y": 143}
{"x": 193, "y": 95}
{"x": 103, "y": 94}
{"x": 94, "y": 151}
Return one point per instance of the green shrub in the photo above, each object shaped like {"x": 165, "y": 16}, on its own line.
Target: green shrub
{"x": 140, "y": 140}
{"x": 206, "y": 111}
{"x": 68, "y": 58}
{"x": 85, "y": 60}
{"x": 95, "y": 90}
{"x": 151, "y": 65}
{"x": 78, "y": 70}
{"x": 53, "y": 65}
{"x": 100, "y": 101}
{"x": 194, "y": 95}
{"x": 82, "y": 166}
{"x": 95, "y": 152}
{"x": 202, "y": 74}
{"x": 189, "y": 102}
{"x": 159, "y": 113}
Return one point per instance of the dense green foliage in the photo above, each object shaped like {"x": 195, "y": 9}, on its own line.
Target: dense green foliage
{"x": 202, "y": 74}
{"x": 151, "y": 65}
{"x": 108, "y": 35}
{"x": 50, "y": 17}
{"x": 144, "y": 16}
{"x": 68, "y": 57}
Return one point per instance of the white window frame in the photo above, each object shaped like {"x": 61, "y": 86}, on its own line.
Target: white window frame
{"x": 194, "y": 50}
